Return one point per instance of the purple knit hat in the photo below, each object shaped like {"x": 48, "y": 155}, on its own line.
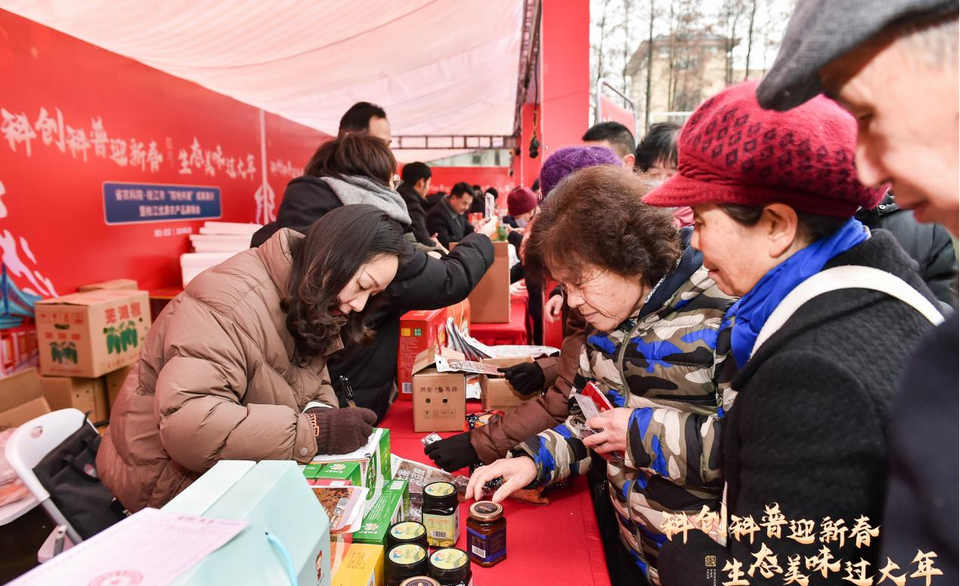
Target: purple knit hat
{"x": 569, "y": 159}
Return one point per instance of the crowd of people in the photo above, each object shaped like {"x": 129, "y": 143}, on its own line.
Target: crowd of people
{"x": 766, "y": 295}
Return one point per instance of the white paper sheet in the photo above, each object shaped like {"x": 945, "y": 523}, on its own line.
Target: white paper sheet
{"x": 149, "y": 548}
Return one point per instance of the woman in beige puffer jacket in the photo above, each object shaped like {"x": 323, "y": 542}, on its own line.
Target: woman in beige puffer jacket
{"x": 234, "y": 368}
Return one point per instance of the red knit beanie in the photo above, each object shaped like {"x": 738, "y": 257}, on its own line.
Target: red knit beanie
{"x": 732, "y": 151}
{"x": 520, "y": 201}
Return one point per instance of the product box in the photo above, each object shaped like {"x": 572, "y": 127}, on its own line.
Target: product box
{"x": 114, "y": 284}
{"x": 419, "y": 330}
{"x": 490, "y": 299}
{"x": 348, "y": 472}
{"x": 90, "y": 334}
{"x": 361, "y": 566}
{"x": 114, "y": 381}
{"x": 439, "y": 398}
{"x": 374, "y": 462}
{"x": 496, "y": 392}
{"x": 86, "y": 394}
{"x": 21, "y": 398}
{"x": 392, "y": 507}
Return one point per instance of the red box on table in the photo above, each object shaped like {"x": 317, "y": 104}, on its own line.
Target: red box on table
{"x": 422, "y": 329}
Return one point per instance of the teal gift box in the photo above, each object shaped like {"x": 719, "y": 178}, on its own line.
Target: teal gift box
{"x": 288, "y": 530}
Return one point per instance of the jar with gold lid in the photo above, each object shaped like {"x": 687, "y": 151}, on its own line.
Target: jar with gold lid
{"x": 486, "y": 534}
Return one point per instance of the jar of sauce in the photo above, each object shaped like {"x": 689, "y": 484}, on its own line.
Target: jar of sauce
{"x": 441, "y": 514}
{"x": 407, "y": 532}
{"x": 486, "y": 534}
{"x": 405, "y": 561}
{"x": 450, "y": 567}
{"x": 420, "y": 581}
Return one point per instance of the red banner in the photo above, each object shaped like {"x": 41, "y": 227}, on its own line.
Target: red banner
{"x": 75, "y": 116}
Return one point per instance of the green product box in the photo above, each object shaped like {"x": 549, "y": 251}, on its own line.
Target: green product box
{"x": 391, "y": 507}
{"x": 349, "y": 471}
{"x": 383, "y": 453}
{"x": 311, "y": 470}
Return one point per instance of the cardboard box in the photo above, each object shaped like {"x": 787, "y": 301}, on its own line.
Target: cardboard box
{"x": 439, "y": 399}
{"x": 392, "y": 507}
{"x": 114, "y": 284}
{"x": 21, "y": 398}
{"x": 90, "y": 334}
{"x": 86, "y": 394}
{"x": 374, "y": 462}
{"x": 362, "y": 565}
{"x": 113, "y": 381}
{"x": 496, "y": 392}
{"x": 490, "y": 299}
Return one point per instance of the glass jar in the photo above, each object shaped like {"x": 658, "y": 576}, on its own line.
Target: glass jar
{"x": 450, "y": 567}
{"x": 405, "y": 561}
{"x": 486, "y": 534}
{"x": 420, "y": 581}
{"x": 441, "y": 514}
{"x": 407, "y": 532}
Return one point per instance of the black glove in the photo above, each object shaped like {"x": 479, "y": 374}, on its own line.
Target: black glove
{"x": 453, "y": 453}
{"x": 526, "y": 377}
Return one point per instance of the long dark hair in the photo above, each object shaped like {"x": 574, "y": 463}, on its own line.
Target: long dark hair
{"x": 354, "y": 153}
{"x": 329, "y": 256}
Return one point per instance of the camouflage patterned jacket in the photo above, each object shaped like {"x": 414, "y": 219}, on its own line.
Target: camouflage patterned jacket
{"x": 668, "y": 365}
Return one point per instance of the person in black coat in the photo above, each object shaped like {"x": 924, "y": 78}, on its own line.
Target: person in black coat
{"x": 447, "y": 219}
{"x": 413, "y": 190}
{"x": 333, "y": 179}
{"x": 928, "y": 244}
{"x": 806, "y": 417}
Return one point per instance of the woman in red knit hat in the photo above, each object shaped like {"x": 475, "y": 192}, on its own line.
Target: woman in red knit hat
{"x": 827, "y": 314}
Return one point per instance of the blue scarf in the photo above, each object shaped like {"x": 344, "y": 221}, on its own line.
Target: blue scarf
{"x": 748, "y": 315}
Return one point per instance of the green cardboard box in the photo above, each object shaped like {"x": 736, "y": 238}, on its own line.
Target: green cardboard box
{"x": 310, "y": 471}
{"x": 348, "y": 471}
{"x": 391, "y": 507}
{"x": 374, "y": 462}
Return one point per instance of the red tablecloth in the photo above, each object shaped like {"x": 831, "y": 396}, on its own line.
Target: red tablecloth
{"x": 511, "y": 332}
{"x": 557, "y": 544}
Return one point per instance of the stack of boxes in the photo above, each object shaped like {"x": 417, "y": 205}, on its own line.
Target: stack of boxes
{"x": 88, "y": 342}
{"x": 358, "y": 557}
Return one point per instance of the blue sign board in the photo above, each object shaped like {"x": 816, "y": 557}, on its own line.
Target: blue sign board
{"x": 132, "y": 203}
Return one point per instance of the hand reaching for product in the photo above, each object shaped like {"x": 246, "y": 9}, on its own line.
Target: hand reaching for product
{"x": 552, "y": 308}
{"x": 488, "y": 227}
{"x": 526, "y": 377}
{"x": 453, "y": 453}
{"x": 516, "y": 472}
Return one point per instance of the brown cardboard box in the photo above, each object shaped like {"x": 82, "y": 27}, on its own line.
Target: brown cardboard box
{"x": 113, "y": 381}
{"x": 490, "y": 299}
{"x": 90, "y": 334}
{"x": 86, "y": 394}
{"x": 496, "y": 392}
{"x": 21, "y": 398}
{"x": 114, "y": 284}
{"x": 439, "y": 399}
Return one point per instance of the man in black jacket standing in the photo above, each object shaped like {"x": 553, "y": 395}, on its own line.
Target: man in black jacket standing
{"x": 894, "y": 65}
{"x": 447, "y": 219}
{"x": 413, "y": 190}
